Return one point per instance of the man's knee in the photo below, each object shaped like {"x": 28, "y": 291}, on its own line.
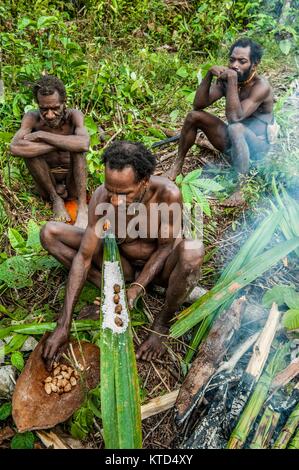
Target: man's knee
{"x": 236, "y": 128}
{"x": 49, "y": 232}
{"x": 191, "y": 254}
{"x": 195, "y": 118}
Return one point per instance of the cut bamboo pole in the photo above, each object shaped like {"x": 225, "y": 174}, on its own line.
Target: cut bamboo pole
{"x": 294, "y": 444}
{"x": 289, "y": 428}
{"x": 256, "y": 364}
{"x": 256, "y": 402}
{"x": 159, "y": 404}
{"x": 286, "y": 375}
{"x": 265, "y": 429}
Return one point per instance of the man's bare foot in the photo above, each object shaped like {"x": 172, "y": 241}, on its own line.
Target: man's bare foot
{"x": 235, "y": 200}
{"x": 173, "y": 171}
{"x": 61, "y": 190}
{"x": 60, "y": 212}
{"x": 154, "y": 346}
{"x": 82, "y": 217}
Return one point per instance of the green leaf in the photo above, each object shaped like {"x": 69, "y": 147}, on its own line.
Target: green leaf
{"x": 182, "y": 72}
{"x": 291, "y": 319}
{"x": 292, "y": 299}
{"x": 285, "y": 46}
{"x": 187, "y": 193}
{"x": 120, "y": 397}
{"x": 179, "y": 179}
{"x": 24, "y": 22}
{"x": 17, "y": 360}
{"x": 33, "y": 236}
{"x": 208, "y": 185}
{"x": 193, "y": 175}
{"x": 279, "y": 294}
{"x": 201, "y": 200}
{"x": 90, "y": 125}
{"x": 5, "y": 411}
{"x": 16, "y": 240}
{"x": 45, "y": 21}
{"x": 23, "y": 441}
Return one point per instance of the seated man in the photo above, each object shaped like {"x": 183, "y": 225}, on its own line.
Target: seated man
{"x": 160, "y": 255}
{"x": 52, "y": 140}
{"x": 249, "y": 111}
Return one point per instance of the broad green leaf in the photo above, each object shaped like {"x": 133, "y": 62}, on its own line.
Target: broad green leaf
{"x": 182, "y": 72}
{"x": 291, "y": 319}
{"x": 5, "y": 411}
{"x": 201, "y": 200}
{"x": 24, "y": 22}
{"x": 187, "y": 193}
{"x": 285, "y": 46}
{"x": 120, "y": 397}
{"x": 33, "y": 236}
{"x": 90, "y": 125}
{"x": 193, "y": 175}
{"x": 23, "y": 441}
{"x": 16, "y": 240}
{"x": 292, "y": 299}
{"x": 279, "y": 294}
{"x": 208, "y": 185}
{"x": 17, "y": 360}
{"x": 45, "y": 21}
{"x": 179, "y": 179}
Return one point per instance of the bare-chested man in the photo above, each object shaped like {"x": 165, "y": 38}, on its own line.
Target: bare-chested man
{"x": 52, "y": 140}
{"x": 249, "y": 111}
{"x": 168, "y": 260}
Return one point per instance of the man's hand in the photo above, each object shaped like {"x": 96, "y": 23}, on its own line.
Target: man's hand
{"x": 228, "y": 73}
{"x": 132, "y": 294}
{"x": 217, "y": 70}
{"x": 35, "y": 136}
{"x": 54, "y": 346}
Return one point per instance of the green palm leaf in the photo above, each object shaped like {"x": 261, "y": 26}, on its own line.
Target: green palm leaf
{"x": 120, "y": 403}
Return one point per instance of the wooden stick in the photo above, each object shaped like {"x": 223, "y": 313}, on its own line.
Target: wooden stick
{"x": 50, "y": 439}
{"x": 262, "y": 347}
{"x": 159, "y": 404}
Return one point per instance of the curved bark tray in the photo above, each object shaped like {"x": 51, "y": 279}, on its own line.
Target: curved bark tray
{"x": 32, "y": 408}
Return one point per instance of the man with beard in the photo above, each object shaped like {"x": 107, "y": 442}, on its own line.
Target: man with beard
{"x": 52, "y": 140}
{"x": 249, "y": 112}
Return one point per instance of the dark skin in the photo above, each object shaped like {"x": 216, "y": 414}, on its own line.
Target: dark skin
{"x": 244, "y": 133}
{"x": 52, "y": 137}
{"x": 171, "y": 262}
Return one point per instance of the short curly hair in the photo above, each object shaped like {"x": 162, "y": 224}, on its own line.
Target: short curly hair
{"x": 125, "y": 153}
{"x": 47, "y": 85}
{"x": 256, "y": 50}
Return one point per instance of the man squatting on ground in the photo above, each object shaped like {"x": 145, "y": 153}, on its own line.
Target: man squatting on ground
{"x": 167, "y": 261}
{"x": 52, "y": 140}
{"x": 248, "y": 109}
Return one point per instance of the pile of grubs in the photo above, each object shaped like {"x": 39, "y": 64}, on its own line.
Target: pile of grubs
{"x": 63, "y": 379}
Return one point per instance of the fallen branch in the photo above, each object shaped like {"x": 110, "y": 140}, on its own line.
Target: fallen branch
{"x": 159, "y": 404}
{"x": 50, "y": 439}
